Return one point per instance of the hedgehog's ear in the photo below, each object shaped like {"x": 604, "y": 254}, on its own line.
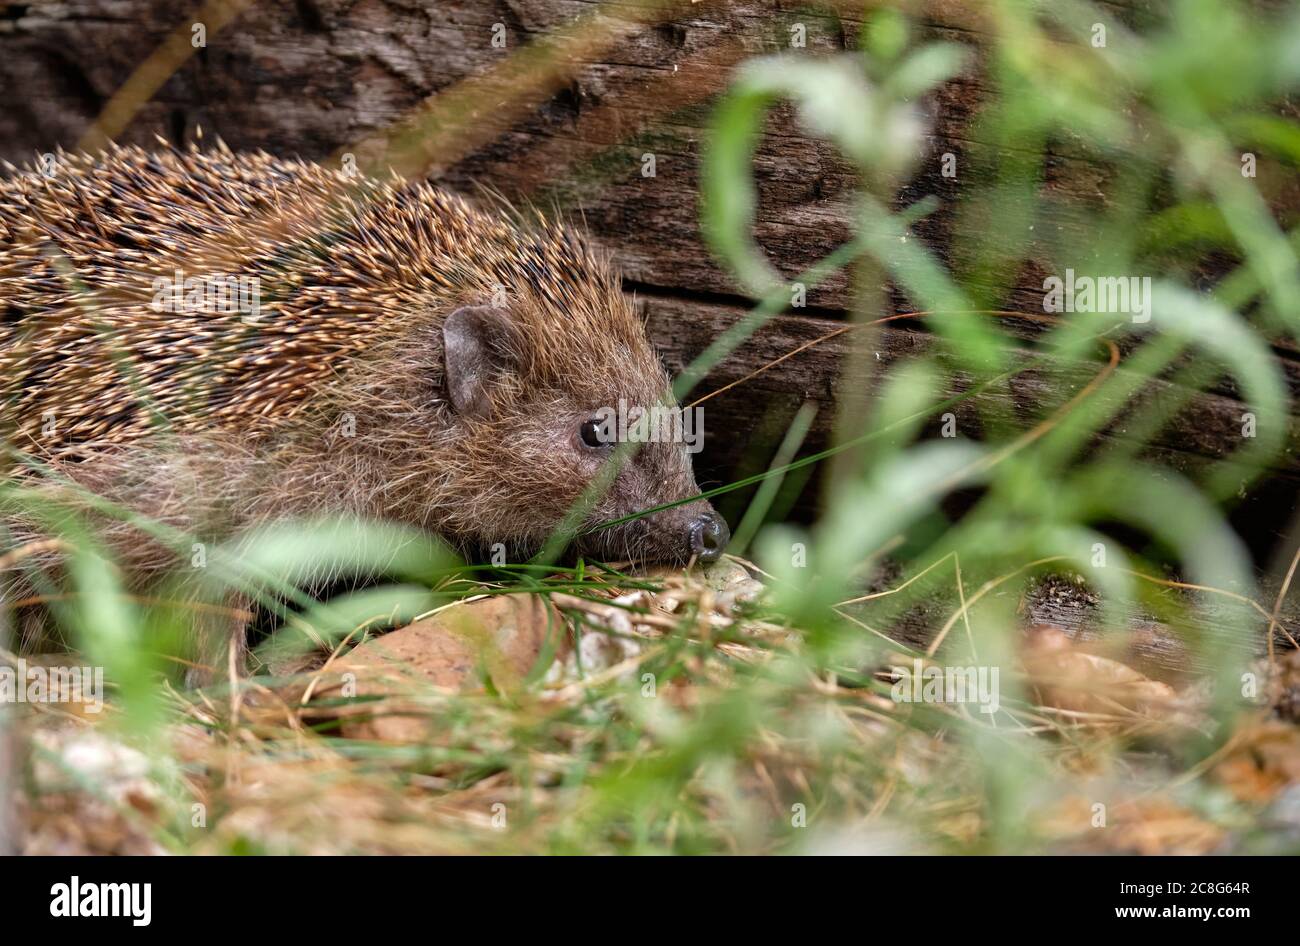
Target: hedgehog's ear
{"x": 476, "y": 347}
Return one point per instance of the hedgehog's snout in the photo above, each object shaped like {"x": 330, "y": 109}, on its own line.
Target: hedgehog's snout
{"x": 708, "y": 536}
{"x": 678, "y": 535}
{"x": 693, "y": 531}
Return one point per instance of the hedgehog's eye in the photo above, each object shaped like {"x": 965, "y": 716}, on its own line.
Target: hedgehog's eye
{"x": 593, "y": 434}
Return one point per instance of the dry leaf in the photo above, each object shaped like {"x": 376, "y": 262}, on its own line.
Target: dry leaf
{"x": 1150, "y": 825}
{"x": 1067, "y": 677}
{"x": 1265, "y": 759}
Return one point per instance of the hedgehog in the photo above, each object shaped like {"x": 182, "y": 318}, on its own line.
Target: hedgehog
{"x": 411, "y": 358}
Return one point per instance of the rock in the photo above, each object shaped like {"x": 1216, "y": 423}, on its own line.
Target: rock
{"x": 90, "y": 793}
{"x": 733, "y": 583}
{"x": 499, "y": 638}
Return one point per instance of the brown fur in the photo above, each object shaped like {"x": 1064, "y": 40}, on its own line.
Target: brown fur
{"x": 214, "y": 425}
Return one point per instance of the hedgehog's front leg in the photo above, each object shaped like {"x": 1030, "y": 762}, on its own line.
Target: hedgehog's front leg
{"x": 219, "y": 641}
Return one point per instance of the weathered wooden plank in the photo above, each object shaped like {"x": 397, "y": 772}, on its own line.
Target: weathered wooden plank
{"x": 1210, "y": 427}
{"x": 323, "y": 75}
{"x": 318, "y": 77}
{"x": 743, "y": 417}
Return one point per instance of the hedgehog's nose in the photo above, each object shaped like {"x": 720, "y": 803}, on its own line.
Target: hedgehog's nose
{"x": 709, "y": 536}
